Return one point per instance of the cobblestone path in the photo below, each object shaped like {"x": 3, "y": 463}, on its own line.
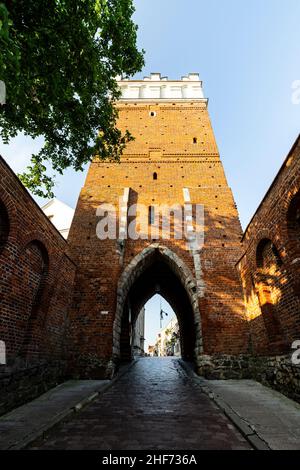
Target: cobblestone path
{"x": 155, "y": 405}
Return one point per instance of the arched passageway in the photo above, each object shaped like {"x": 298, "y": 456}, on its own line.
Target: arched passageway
{"x": 156, "y": 332}
{"x": 157, "y": 270}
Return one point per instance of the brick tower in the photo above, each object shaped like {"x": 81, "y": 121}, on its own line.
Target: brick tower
{"x": 173, "y": 162}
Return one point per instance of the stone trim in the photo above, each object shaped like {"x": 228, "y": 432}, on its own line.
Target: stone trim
{"x": 135, "y": 269}
{"x": 276, "y": 372}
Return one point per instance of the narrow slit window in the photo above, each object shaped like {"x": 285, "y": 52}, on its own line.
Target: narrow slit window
{"x": 151, "y": 215}
{"x": 195, "y": 140}
{"x": 155, "y": 176}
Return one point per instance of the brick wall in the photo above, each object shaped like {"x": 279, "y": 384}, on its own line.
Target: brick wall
{"x": 57, "y": 320}
{"x": 173, "y": 149}
{"x": 270, "y": 266}
{"x": 36, "y": 287}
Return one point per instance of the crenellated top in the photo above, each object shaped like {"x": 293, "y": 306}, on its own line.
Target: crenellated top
{"x": 156, "y": 87}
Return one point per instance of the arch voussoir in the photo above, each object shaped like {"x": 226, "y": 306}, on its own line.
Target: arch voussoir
{"x": 136, "y": 268}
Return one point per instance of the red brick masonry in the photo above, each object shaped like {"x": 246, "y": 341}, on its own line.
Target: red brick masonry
{"x": 36, "y": 288}
{"x": 69, "y": 308}
{"x": 270, "y": 266}
{"x": 174, "y": 148}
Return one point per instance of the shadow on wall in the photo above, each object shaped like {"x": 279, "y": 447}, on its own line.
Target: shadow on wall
{"x": 271, "y": 285}
{"x": 36, "y": 284}
{"x": 101, "y": 263}
{"x": 158, "y": 277}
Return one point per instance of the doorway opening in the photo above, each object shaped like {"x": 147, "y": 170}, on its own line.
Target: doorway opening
{"x": 157, "y": 332}
{"x": 157, "y": 278}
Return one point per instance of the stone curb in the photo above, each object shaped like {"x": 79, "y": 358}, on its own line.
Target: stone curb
{"x": 241, "y": 424}
{"x": 86, "y": 401}
{"x": 38, "y": 433}
{"x": 21, "y": 444}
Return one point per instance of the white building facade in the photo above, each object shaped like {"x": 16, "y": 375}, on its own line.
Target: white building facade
{"x": 60, "y": 214}
{"x": 156, "y": 87}
{"x": 168, "y": 340}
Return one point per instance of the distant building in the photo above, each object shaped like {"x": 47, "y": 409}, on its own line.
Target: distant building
{"x": 151, "y": 350}
{"x": 60, "y": 214}
{"x": 138, "y": 335}
{"x": 168, "y": 340}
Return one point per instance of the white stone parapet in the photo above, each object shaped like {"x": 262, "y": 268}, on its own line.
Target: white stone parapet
{"x": 157, "y": 87}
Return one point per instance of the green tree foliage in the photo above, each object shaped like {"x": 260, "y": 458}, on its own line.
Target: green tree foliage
{"x": 59, "y": 60}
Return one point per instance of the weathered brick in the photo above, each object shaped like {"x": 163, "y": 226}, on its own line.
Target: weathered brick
{"x": 270, "y": 265}
{"x": 156, "y": 166}
{"x": 36, "y": 288}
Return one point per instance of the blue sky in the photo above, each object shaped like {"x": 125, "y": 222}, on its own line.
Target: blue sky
{"x": 248, "y": 56}
{"x": 152, "y": 318}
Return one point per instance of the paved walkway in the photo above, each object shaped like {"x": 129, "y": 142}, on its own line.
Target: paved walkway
{"x": 275, "y": 418}
{"x": 155, "y": 405}
{"x": 29, "y": 421}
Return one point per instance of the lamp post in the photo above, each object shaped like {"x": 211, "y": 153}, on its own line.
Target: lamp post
{"x": 161, "y": 315}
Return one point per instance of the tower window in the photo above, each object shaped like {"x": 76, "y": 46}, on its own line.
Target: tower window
{"x": 194, "y": 140}
{"x": 151, "y": 215}
{"x": 155, "y": 176}
{"x": 152, "y": 113}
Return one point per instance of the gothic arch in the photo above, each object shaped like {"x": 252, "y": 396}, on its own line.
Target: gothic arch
{"x": 268, "y": 276}
{"x": 9, "y": 218}
{"x": 35, "y": 259}
{"x": 133, "y": 272}
{"x": 267, "y": 249}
